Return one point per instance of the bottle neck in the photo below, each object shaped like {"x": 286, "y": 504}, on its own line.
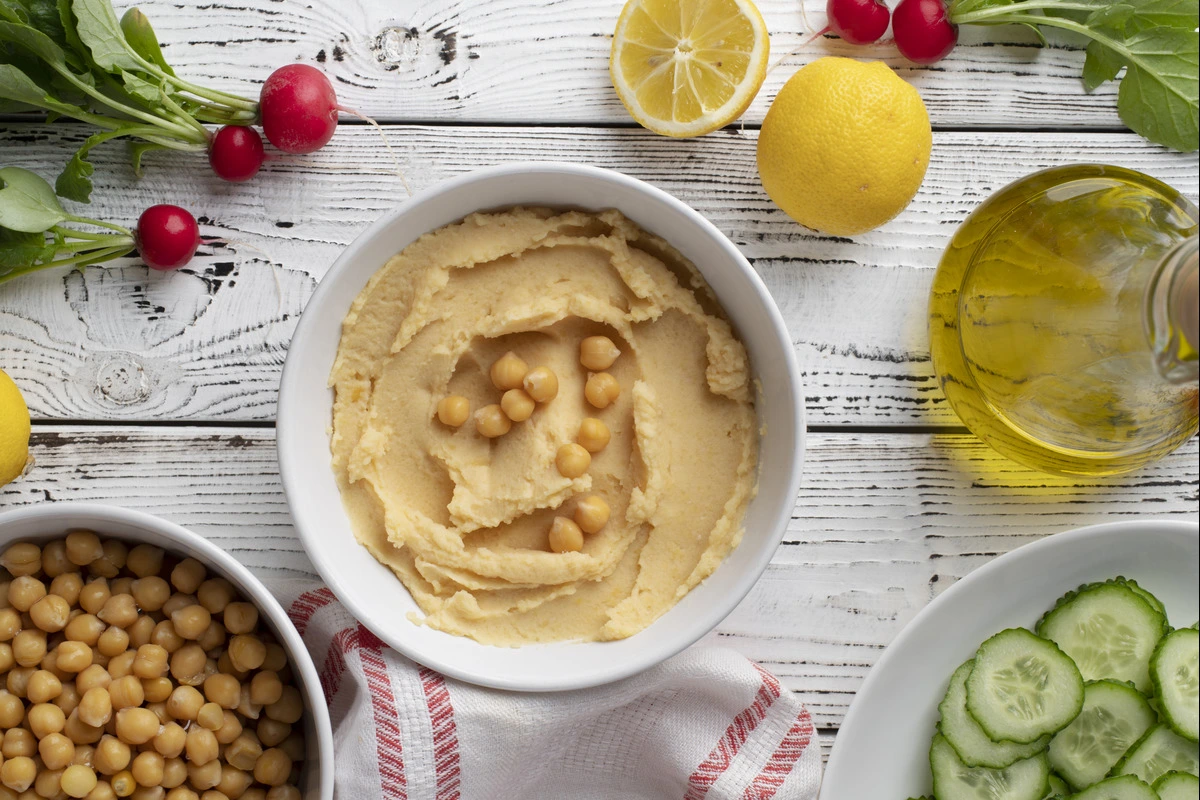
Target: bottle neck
{"x": 1173, "y": 313}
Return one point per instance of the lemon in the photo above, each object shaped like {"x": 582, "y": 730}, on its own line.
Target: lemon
{"x": 844, "y": 146}
{"x": 688, "y": 67}
{"x": 14, "y": 430}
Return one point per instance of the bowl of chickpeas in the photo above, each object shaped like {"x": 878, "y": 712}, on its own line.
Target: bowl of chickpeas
{"x": 139, "y": 660}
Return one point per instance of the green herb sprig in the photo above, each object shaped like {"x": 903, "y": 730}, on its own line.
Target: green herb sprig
{"x": 33, "y": 236}
{"x": 73, "y": 58}
{"x": 1155, "y": 41}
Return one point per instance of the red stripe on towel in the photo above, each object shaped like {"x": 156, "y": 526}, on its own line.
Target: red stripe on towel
{"x": 307, "y": 604}
{"x": 780, "y": 764}
{"x": 445, "y": 735}
{"x": 713, "y": 767}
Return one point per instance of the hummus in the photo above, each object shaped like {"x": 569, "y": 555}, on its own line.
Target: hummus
{"x": 462, "y": 519}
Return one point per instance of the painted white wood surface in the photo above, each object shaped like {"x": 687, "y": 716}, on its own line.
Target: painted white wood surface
{"x": 883, "y": 522}
{"x": 547, "y": 61}
{"x": 208, "y": 342}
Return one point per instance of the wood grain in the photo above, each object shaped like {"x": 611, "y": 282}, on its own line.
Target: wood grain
{"x": 514, "y": 61}
{"x": 883, "y": 523}
{"x": 207, "y": 343}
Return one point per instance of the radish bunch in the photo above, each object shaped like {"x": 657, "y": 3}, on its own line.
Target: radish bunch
{"x": 921, "y": 28}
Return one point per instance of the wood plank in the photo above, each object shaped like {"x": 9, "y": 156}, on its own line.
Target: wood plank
{"x": 883, "y": 523}
{"x": 208, "y": 342}
{"x": 515, "y": 61}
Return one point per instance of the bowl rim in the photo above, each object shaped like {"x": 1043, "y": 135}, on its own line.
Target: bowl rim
{"x": 292, "y": 379}
{"x": 48, "y": 512}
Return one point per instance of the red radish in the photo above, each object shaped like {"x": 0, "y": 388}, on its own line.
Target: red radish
{"x": 167, "y": 237}
{"x": 858, "y": 21}
{"x": 922, "y": 30}
{"x": 236, "y": 153}
{"x": 299, "y": 108}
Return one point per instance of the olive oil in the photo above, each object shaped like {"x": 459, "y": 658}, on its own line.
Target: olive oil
{"x": 1062, "y": 320}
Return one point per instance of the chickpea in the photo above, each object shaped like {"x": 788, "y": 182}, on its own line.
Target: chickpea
{"x": 78, "y": 780}
{"x": 29, "y": 647}
{"x": 141, "y": 630}
{"x": 22, "y": 558}
{"x": 94, "y": 595}
{"x": 223, "y": 690}
{"x": 240, "y": 618}
{"x": 517, "y": 405}
{"x": 151, "y": 592}
{"x": 56, "y": 750}
{"x": 210, "y": 716}
{"x": 18, "y": 742}
{"x": 490, "y": 421}
{"x": 12, "y": 710}
{"x": 601, "y": 389}
{"x": 123, "y": 783}
{"x": 182, "y": 793}
{"x": 541, "y": 384}
{"x": 273, "y": 767}
{"x": 24, "y": 591}
{"x": 294, "y": 746}
{"x": 234, "y": 782}
{"x": 171, "y": 740}
{"x": 149, "y": 793}
{"x": 83, "y": 547}
{"x": 164, "y": 636}
{"x": 565, "y": 536}
{"x": 121, "y": 666}
{"x": 67, "y": 585}
{"x": 157, "y": 690}
{"x": 246, "y": 708}
{"x": 272, "y": 732}
{"x": 216, "y": 593}
{"x": 187, "y": 575}
{"x": 119, "y": 610}
{"x": 84, "y": 754}
{"x": 453, "y": 410}
{"x": 187, "y": 665}
{"x": 18, "y": 680}
{"x": 103, "y": 791}
{"x": 201, "y": 747}
{"x": 20, "y": 772}
{"x": 110, "y": 564}
{"x": 68, "y": 700}
{"x": 10, "y": 624}
{"x": 591, "y": 514}
{"x": 46, "y": 784}
{"x": 45, "y": 719}
{"x": 593, "y": 435}
{"x": 145, "y": 560}
{"x": 231, "y": 727}
{"x": 74, "y": 656}
{"x": 213, "y": 638}
{"x": 137, "y": 725}
{"x": 94, "y": 677}
{"x": 177, "y": 601}
{"x": 86, "y": 628}
{"x": 51, "y": 613}
{"x": 174, "y": 772}
{"x": 597, "y": 353}
{"x": 572, "y": 460}
{"x": 43, "y": 687}
{"x": 79, "y": 731}
{"x": 191, "y": 622}
{"x": 113, "y": 642}
{"x": 147, "y": 768}
{"x": 243, "y": 751}
{"x": 112, "y": 755}
{"x": 185, "y": 703}
{"x": 95, "y": 707}
{"x": 508, "y": 371}
{"x": 206, "y": 775}
{"x": 276, "y": 659}
{"x": 265, "y": 688}
{"x": 150, "y": 661}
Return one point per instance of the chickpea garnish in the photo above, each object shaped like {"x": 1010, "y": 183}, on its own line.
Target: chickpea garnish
{"x": 517, "y": 405}
{"x": 565, "y": 536}
{"x": 591, "y": 514}
{"x": 593, "y": 435}
{"x": 572, "y": 460}
{"x": 490, "y": 421}
{"x": 508, "y": 371}
{"x": 597, "y": 353}
{"x": 542, "y": 384}
{"x": 453, "y": 410}
{"x": 601, "y": 389}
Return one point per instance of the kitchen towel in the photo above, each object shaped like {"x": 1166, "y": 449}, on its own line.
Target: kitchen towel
{"x": 707, "y": 723}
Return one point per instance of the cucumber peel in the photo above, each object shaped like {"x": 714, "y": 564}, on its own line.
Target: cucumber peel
{"x": 1175, "y": 673}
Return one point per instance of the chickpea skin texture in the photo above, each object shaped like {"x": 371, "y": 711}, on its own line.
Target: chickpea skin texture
{"x": 565, "y": 536}
{"x": 591, "y": 514}
{"x": 593, "y": 435}
{"x": 508, "y": 372}
{"x": 517, "y": 405}
{"x": 491, "y": 421}
{"x": 598, "y": 353}
{"x": 601, "y": 389}
{"x": 572, "y": 460}
{"x": 453, "y": 410}
{"x": 541, "y": 384}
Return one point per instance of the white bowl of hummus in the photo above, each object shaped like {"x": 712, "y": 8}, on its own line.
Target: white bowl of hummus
{"x": 450, "y": 530}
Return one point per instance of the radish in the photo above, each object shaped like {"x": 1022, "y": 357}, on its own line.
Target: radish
{"x": 857, "y": 21}
{"x": 922, "y": 30}
{"x": 298, "y": 108}
{"x": 236, "y": 153}
{"x": 167, "y": 237}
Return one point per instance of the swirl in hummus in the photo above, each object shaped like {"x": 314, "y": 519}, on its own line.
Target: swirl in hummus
{"x": 463, "y": 519}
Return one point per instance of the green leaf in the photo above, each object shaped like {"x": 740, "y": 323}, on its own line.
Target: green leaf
{"x": 19, "y": 249}
{"x": 1159, "y": 97}
{"x": 74, "y": 43}
{"x": 1102, "y": 64}
{"x": 11, "y": 12}
{"x": 1133, "y": 16}
{"x": 141, "y": 88}
{"x": 15, "y": 85}
{"x": 141, "y": 37}
{"x": 27, "y": 203}
{"x": 98, "y": 28}
{"x": 34, "y": 41}
{"x": 75, "y": 181}
{"x": 139, "y": 149}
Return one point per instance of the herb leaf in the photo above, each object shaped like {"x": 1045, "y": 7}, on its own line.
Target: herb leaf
{"x": 141, "y": 37}
{"x": 1102, "y": 64}
{"x": 34, "y": 41}
{"x": 27, "y": 203}
{"x": 99, "y": 30}
{"x": 1159, "y": 95}
{"x": 19, "y": 249}
{"x": 75, "y": 181}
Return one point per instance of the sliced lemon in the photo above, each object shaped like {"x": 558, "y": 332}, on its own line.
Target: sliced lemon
{"x": 688, "y": 67}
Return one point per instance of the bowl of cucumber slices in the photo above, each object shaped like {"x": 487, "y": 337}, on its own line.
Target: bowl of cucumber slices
{"x": 1066, "y": 668}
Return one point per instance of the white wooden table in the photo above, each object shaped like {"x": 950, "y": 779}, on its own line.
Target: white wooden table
{"x": 157, "y": 391}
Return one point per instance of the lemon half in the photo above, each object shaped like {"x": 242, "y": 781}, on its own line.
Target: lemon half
{"x": 688, "y": 67}
{"x": 14, "y": 430}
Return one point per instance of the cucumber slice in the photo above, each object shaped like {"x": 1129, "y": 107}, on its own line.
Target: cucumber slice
{"x": 1126, "y": 787}
{"x": 1177, "y": 786}
{"x": 954, "y": 780}
{"x": 1114, "y": 717}
{"x": 1160, "y": 751}
{"x": 1154, "y": 602}
{"x": 1058, "y": 788}
{"x": 1023, "y": 687}
{"x": 968, "y": 739}
{"x": 1108, "y": 630}
{"x": 1175, "y": 671}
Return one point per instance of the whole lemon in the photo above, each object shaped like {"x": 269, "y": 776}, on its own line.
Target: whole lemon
{"x": 844, "y": 146}
{"x": 14, "y": 430}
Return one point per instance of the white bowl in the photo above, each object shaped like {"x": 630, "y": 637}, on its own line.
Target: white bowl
{"x": 39, "y": 523}
{"x": 882, "y": 749}
{"x": 372, "y": 592}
